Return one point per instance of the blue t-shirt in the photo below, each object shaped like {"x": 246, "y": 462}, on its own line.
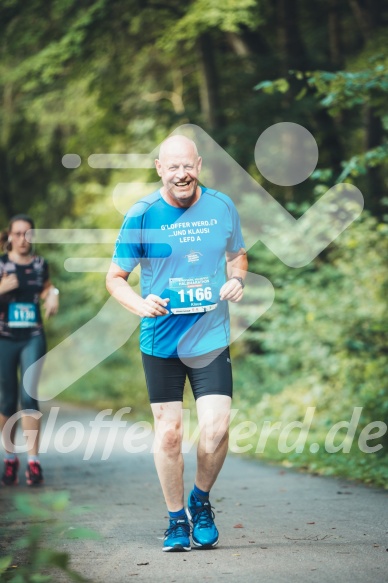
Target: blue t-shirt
{"x": 182, "y": 257}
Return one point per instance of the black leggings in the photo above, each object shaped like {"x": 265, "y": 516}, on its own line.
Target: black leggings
{"x": 15, "y": 354}
{"x": 210, "y": 374}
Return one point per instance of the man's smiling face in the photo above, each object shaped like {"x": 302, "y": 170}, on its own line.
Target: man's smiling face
{"x": 179, "y": 166}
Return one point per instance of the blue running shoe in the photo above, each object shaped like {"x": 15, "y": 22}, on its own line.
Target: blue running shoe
{"x": 205, "y": 533}
{"x": 177, "y": 536}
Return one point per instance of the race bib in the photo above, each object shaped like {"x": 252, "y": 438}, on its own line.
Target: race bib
{"x": 22, "y": 315}
{"x": 192, "y": 295}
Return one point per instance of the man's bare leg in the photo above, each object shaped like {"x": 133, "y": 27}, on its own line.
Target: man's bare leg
{"x": 213, "y": 417}
{"x": 168, "y": 451}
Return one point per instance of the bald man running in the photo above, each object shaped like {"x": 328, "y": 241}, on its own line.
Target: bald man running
{"x": 188, "y": 242}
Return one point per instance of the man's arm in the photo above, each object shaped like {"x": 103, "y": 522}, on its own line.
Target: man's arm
{"x": 236, "y": 266}
{"x": 117, "y": 286}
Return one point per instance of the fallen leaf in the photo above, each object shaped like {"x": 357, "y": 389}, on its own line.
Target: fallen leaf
{"x": 239, "y": 525}
{"x": 310, "y": 522}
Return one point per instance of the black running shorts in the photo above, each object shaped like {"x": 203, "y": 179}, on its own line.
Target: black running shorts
{"x": 209, "y": 374}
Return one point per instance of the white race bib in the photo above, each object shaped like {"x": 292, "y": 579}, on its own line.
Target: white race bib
{"x": 192, "y": 295}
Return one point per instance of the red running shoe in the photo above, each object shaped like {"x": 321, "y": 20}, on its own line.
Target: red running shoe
{"x": 34, "y": 474}
{"x": 10, "y": 475}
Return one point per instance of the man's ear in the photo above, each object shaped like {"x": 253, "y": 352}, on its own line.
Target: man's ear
{"x": 158, "y": 167}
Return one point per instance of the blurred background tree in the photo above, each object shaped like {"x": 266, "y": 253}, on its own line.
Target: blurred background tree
{"x": 89, "y": 76}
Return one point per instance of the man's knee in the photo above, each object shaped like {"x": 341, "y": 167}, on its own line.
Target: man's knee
{"x": 171, "y": 438}
{"x": 168, "y": 431}
{"x": 219, "y": 433}
{"x": 215, "y": 433}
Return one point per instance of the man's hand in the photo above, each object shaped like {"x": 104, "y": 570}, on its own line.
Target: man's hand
{"x": 232, "y": 290}
{"x": 237, "y": 266}
{"x": 149, "y": 307}
{"x": 153, "y": 306}
{"x": 8, "y": 283}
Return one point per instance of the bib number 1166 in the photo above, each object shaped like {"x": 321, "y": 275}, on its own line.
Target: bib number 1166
{"x": 198, "y": 294}
{"x": 192, "y": 295}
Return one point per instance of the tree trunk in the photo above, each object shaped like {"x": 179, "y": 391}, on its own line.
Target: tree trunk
{"x": 208, "y": 86}
{"x": 362, "y": 18}
{"x": 6, "y": 198}
{"x": 368, "y": 16}
{"x": 373, "y": 138}
{"x": 290, "y": 47}
{"x": 334, "y": 28}
{"x": 238, "y": 44}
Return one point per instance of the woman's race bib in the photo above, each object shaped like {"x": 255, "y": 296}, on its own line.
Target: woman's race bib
{"x": 22, "y": 315}
{"x": 191, "y": 295}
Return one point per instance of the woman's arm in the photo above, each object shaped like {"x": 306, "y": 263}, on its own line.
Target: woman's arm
{"x": 50, "y": 296}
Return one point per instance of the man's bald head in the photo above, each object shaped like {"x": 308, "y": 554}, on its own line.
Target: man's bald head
{"x": 179, "y": 166}
{"x": 177, "y": 144}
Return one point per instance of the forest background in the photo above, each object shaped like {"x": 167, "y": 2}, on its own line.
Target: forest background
{"x": 115, "y": 76}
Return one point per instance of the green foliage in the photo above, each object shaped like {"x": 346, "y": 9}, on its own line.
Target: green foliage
{"x": 85, "y": 76}
{"x": 359, "y": 165}
{"x": 39, "y": 561}
{"x": 207, "y": 15}
{"x": 347, "y": 89}
{"x": 338, "y": 90}
{"x": 44, "y": 67}
{"x": 271, "y": 87}
{"x": 344, "y": 90}
{"x": 323, "y": 344}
